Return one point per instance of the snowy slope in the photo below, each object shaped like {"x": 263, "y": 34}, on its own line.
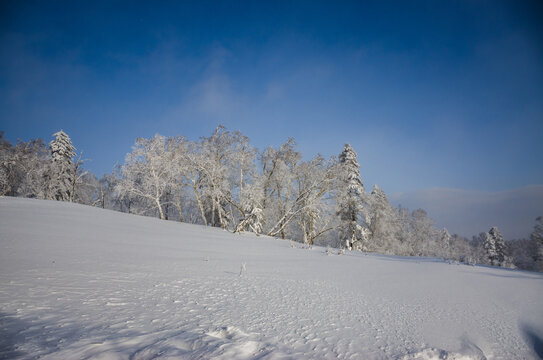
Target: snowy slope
{"x": 80, "y": 282}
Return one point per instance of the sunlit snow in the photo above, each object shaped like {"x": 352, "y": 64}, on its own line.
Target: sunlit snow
{"x": 78, "y": 282}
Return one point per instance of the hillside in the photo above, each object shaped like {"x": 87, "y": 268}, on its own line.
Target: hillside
{"x": 78, "y": 282}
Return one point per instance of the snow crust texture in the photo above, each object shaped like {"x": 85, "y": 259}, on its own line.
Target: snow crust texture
{"x": 84, "y": 283}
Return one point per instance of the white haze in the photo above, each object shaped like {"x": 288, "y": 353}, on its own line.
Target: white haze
{"x": 468, "y": 213}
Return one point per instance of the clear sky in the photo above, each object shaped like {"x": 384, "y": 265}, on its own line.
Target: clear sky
{"x": 429, "y": 93}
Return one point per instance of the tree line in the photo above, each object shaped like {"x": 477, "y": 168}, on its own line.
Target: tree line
{"x": 223, "y": 181}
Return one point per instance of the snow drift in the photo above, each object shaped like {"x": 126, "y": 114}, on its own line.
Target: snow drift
{"x": 78, "y": 282}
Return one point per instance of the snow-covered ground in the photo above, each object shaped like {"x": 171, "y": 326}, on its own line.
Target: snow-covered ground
{"x": 78, "y": 282}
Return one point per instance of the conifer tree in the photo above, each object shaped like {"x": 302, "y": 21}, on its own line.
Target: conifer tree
{"x": 350, "y": 202}
{"x": 61, "y": 174}
{"x": 496, "y": 249}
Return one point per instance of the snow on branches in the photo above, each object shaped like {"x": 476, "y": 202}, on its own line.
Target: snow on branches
{"x": 350, "y": 202}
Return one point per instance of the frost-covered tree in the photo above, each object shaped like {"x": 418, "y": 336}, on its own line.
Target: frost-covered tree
{"x": 62, "y": 171}
{"x": 463, "y": 250}
{"x": 496, "y": 249}
{"x": 444, "y": 244}
{"x": 489, "y": 244}
{"x": 215, "y": 175}
{"x": 30, "y": 169}
{"x": 537, "y": 238}
{"x": 524, "y": 253}
{"x": 313, "y": 181}
{"x": 106, "y": 197}
{"x": 194, "y": 176}
{"x": 424, "y": 234}
{"x": 84, "y": 184}
{"x": 383, "y": 222}
{"x": 350, "y": 195}
{"x": 292, "y": 193}
{"x": 278, "y": 187}
{"x": 85, "y": 190}
{"x": 404, "y": 234}
{"x": 8, "y": 180}
{"x": 61, "y": 147}
{"x": 251, "y": 221}
{"x": 242, "y": 172}
{"x": 148, "y": 172}
{"x": 217, "y": 171}
{"x": 252, "y": 217}
{"x": 174, "y": 197}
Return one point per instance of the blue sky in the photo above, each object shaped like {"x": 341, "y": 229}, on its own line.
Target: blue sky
{"x": 429, "y": 93}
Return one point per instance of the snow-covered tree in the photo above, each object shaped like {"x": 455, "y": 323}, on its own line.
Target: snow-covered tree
{"x": 404, "y": 233}
{"x": 214, "y": 176}
{"x": 84, "y": 184}
{"x": 489, "y": 244}
{"x": 31, "y": 170}
{"x": 313, "y": 180}
{"x": 194, "y": 176}
{"x": 463, "y": 250}
{"x": 217, "y": 172}
{"x": 106, "y": 197}
{"x": 444, "y": 243}
{"x": 241, "y": 173}
{"x": 537, "y": 238}
{"x": 424, "y": 243}
{"x": 383, "y": 222}
{"x": 61, "y": 147}
{"x": 251, "y": 221}
{"x": 278, "y": 187}
{"x": 148, "y": 172}
{"x": 62, "y": 172}
{"x": 350, "y": 196}
{"x": 524, "y": 253}
{"x": 174, "y": 197}
{"x": 496, "y": 249}
{"x": 85, "y": 188}
{"x": 7, "y": 167}
{"x": 252, "y": 217}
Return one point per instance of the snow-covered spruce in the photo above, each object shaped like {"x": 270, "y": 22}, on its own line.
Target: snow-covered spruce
{"x": 61, "y": 174}
{"x": 350, "y": 202}
{"x": 496, "y": 249}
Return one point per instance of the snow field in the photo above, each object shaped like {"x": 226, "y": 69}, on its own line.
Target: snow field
{"x": 78, "y": 282}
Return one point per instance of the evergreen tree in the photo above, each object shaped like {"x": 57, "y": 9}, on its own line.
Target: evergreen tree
{"x": 61, "y": 173}
{"x": 350, "y": 202}
{"x": 496, "y": 248}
